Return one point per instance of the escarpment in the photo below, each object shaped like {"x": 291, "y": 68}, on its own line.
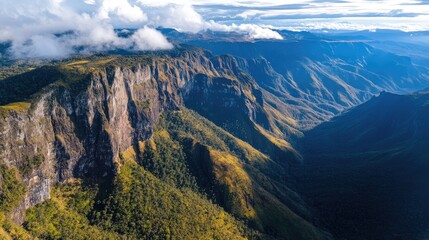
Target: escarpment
{"x": 79, "y": 121}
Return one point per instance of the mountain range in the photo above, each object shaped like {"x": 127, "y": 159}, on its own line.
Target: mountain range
{"x": 221, "y": 138}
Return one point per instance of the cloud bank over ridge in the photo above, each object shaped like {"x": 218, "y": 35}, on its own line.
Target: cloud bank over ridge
{"x": 58, "y": 28}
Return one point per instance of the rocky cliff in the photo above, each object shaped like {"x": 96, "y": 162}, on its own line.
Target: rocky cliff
{"x": 77, "y": 120}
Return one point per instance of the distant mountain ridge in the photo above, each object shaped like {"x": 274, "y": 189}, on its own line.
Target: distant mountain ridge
{"x": 322, "y": 77}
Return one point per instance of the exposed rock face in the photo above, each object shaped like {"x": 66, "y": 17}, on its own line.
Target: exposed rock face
{"x": 79, "y": 124}
{"x": 23, "y": 136}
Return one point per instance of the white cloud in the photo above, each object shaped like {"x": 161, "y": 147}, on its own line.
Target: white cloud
{"x": 258, "y": 32}
{"x": 150, "y": 39}
{"x": 90, "y": 2}
{"x": 99, "y": 38}
{"x": 181, "y": 17}
{"x": 185, "y": 18}
{"x": 46, "y": 46}
{"x": 121, "y": 9}
{"x": 57, "y": 28}
{"x": 253, "y": 31}
{"x": 407, "y": 24}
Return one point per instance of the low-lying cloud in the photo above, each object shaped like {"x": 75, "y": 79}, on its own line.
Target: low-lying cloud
{"x": 185, "y": 18}
{"x": 253, "y": 31}
{"x": 58, "y": 28}
{"x": 149, "y": 39}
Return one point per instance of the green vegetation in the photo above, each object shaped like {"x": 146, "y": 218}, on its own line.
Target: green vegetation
{"x": 21, "y": 87}
{"x": 11, "y": 193}
{"x": 72, "y": 74}
{"x": 10, "y": 230}
{"x": 141, "y": 206}
{"x": 163, "y": 203}
{"x": 75, "y": 80}
{"x": 31, "y": 163}
{"x": 81, "y": 62}
{"x": 245, "y": 182}
{"x": 235, "y": 121}
{"x": 10, "y": 68}
{"x": 164, "y": 158}
{"x": 186, "y": 124}
{"x": 11, "y": 189}
{"x": 64, "y": 215}
{"x": 18, "y": 107}
{"x": 236, "y": 183}
{"x": 86, "y": 66}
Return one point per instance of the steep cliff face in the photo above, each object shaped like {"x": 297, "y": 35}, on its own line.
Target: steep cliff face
{"x": 24, "y": 138}
{"x": 77, "y": 133}
{"x": 80, "y": 117}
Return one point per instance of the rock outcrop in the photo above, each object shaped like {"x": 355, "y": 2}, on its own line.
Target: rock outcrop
{"x": 88, "y": 112}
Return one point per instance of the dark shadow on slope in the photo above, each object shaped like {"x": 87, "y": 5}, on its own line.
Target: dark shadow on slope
{"x": 365, "y": 172}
